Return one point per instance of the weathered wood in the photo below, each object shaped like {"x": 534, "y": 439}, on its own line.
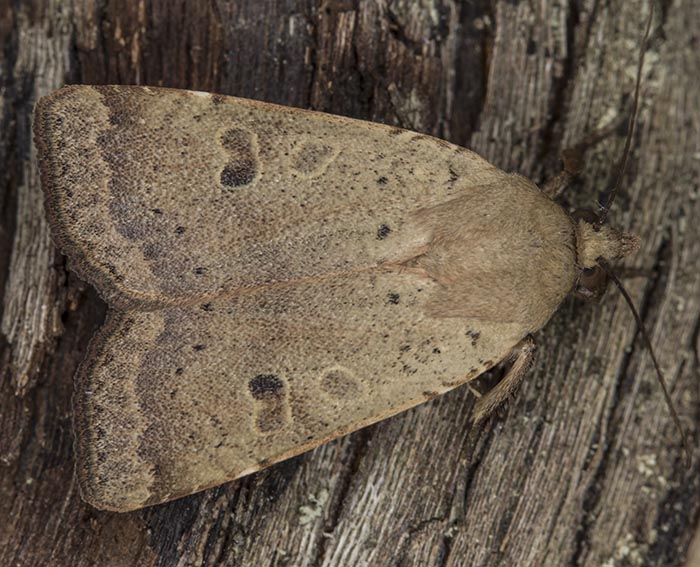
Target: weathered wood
{"x": 583, "y": 469}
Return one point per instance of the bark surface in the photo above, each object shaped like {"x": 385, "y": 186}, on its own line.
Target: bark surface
{"x": 584, "y": 468}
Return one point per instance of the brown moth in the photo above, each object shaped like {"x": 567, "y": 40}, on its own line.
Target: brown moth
{"x": 278, "y": 278}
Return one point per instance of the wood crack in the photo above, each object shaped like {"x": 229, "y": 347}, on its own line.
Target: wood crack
{"x": 342, "y": 493}
{"x": 561, "y": 94}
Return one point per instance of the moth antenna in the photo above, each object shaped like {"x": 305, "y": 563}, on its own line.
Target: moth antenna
{"x": 686, "y": 446}
{"x": 633, "y": 121}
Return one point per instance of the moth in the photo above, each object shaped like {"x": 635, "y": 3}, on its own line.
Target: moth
{"x": 278, "y": 278}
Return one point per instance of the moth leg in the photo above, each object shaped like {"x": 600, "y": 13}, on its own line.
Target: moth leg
{"x": 556, "y": 185}
{"x": 522, "y": 357}
{"x": 572, "y": 157}
{"x": 474, "y": 391}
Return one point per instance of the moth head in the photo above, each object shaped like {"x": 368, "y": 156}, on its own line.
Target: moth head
{"x": 595, "y": 243}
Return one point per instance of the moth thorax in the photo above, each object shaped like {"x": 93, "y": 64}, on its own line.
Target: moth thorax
{"x": 602, "y": 242}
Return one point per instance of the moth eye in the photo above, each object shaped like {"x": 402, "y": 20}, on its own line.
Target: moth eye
{"x": 592, "y": 283}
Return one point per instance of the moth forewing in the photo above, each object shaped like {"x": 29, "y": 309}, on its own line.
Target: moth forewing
{"x": 208, "y": 395}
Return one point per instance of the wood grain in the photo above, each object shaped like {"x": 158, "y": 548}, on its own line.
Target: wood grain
{"x": 583, "y": 469}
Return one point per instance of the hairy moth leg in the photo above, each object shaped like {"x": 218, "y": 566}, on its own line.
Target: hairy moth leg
{"x": 522, "y": 357}
{"x": 572, "y": 157}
